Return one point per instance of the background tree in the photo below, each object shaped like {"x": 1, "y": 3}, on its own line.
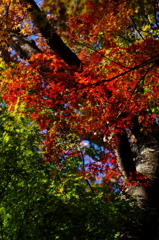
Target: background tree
{"x": 106, "y": 86}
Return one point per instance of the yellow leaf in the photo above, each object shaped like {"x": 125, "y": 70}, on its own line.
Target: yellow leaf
{"x": 23, "y": 31}
{"x": 15, "y": 27}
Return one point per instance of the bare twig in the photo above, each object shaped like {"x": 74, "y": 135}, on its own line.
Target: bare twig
{"x": 137, "y": 28}
{"x": 83, "y": 163}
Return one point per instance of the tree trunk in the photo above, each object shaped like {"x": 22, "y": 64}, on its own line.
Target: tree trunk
{"x": 147, "y": 189}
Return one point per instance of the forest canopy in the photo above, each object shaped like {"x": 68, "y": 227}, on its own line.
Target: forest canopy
{"x": 79, "y": 109}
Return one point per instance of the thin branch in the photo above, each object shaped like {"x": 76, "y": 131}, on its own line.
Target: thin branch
{"x": 141, "y": 79}
{"x": 83, "y": 163}
{"x": 143, "y": 64}
{"x": 126, "y": 39}
{"x": 137, "y": 28}
{"x": 95, "y": 50}
{"x": 117, "y": 63}
{"x": 90, "y": 186}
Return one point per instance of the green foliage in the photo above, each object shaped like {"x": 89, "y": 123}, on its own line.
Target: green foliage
{"x": 38, "y": 201}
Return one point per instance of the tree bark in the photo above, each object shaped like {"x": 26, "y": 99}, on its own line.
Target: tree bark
{"x": 146, "y": 191}
{"x": 53, "y": 40}
{"x": 24, "y": 47}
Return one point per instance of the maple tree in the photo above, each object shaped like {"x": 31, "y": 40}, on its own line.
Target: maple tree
{"x": 88, "y": 70}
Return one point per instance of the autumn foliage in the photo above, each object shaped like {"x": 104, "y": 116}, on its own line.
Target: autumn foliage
{"x": 117, "y": 78}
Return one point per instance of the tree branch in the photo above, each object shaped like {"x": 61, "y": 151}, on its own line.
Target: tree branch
{"x": 52, "y": 38}
{"x": 24, "y": 47}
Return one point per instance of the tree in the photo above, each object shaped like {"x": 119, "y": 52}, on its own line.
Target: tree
{"x": 40, "y": 202}
{"x": 98, "y": 81}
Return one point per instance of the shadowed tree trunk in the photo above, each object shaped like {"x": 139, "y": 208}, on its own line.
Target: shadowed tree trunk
{"x": 146, "y": 163}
